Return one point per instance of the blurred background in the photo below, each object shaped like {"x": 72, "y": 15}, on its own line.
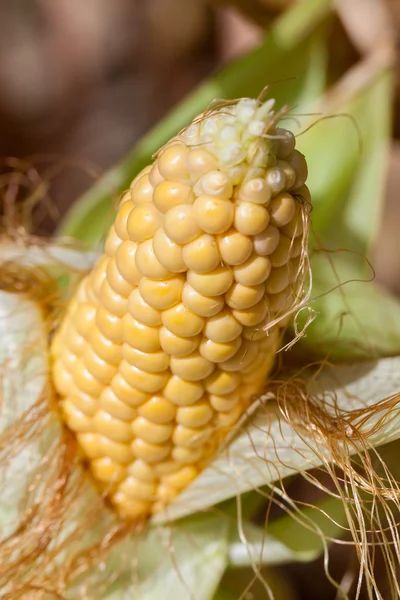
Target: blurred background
{"x": 80, "y": 82}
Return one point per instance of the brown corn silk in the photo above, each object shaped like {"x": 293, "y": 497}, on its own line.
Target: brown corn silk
{"x": 175, "y": 330}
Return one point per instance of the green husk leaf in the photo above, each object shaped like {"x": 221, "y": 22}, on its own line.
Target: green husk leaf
{"x": 348, "y": 159}
{"x": 300, "y": 537}
{"x": 355, "y": 318}
{"x": 185, "y": 561}
{"x": 293, "y": 48}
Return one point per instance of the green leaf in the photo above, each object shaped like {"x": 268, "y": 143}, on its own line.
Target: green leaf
{"x": 357, "y": 320}
{"x": 300, "y": 537}
{"x": 185, "y": 561}
{"x": 294, "y": 48}
{"x": 348, "y": 159}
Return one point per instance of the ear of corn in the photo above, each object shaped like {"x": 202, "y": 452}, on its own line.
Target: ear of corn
{"x": 164, "y": 345}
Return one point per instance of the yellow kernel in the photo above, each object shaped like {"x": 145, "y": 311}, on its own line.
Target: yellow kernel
{"x": 289, "y": 172}
{"x": 121, "y": 453}
{"x": 229, "y": 418}
{"x": 282, "y": 209}
{"x": 93, "y": 283}
{"x": 169, "y": 254}
{"x": 141, "y": 311}
{"x": 186, "y": 455}
{"x": 200, "y": 162}
{"x": 85, "y": 381}
{"x": 181, "y": 392}
{"x": 276, "y": 180}
{"x": 85, "y": 403}
{"x": 166, "y": 494}
{"x": 158, "y": 410}
{"x": 222, "y": 382}
{"x": 109, "y": 426}
{"x": 143, "y": 222}
{"x": 224, "y": 403}
{"x": 222, "y": 327}
{"x": 99, "y": 368}
{"x": 137, "y": 489}
{"x": 253, "y": 315}
{"x": 234, "y": 247}
{"x": 201, "y": 254}
{"x": 113, "y": 302}
{"x": 242, "y": 359}
{"x": 255, "y": 190}
{"x": 213, "y": 283}
{"x": 204, "y": 306}
{"x": 162, "y": 294}
{"x": 151, "y": 453}
{"x": 266, "y": 242}
{"x": 181, "y": 321}
{"x": 251, "y": 219}
{"x": 213, "y": 215}
{"x": 197, "y": 415}
{"x": 172, "y": 162}
{"x": 141, "y": 189}
{"x": 142, "y": 380}
{"x": 126, "y": 263}
{"x": 141, "y": 470}
{"x": 283, "y": 253}
{"x": 180, "y": 479}
{"x": 126, "y": 393}
{"x": 75, "y": 343}
{"x": 75, "y": 418}
{"x": 83, "y": 319}
{"x": 107, "y": 470}
{"x": 155, "y": 176}
{"x": 254, "y": 271}
{"x": 111, "y": 404}
{"x": 279, "y": 303}
{"x": 166, "y": 468}
{"x": 303, "y": 195}
{"x": 152, "y": 362}
{"x": 148, "y": 264}
{"x": 278, "y": 280}
{"x": 121, "y": 220}
{"x": 115, "y": 279}
{"x": 90, "y": 444}
{"x": 286, "y": 142}
{"x": 131, "y": 508}
{"x": 193, "y": 367}
{"x": 190, "y": 437}
{"x": 216, "y": 184}
{"x": 168, "y": 194}
{"x": 244, "y": 296}
{"x": 299, "y": 164}
{"x": 140, "y": 336}
{"x": 217, "y": 352}
{"x": 295, "y": 227}
{"x": 112, "y": 242}
{"x": 175, "y": 345}
{"x": 68, "y": 359}
{"x": 105, "y": 348}
{"x": 180, "y": 224}
{"x": 110, "y": 325}
{"x": 148, "y": 431}
{"x": 254, "y": 333}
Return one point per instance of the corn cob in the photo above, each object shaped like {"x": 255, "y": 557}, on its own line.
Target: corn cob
{"x": 164, "y": 344}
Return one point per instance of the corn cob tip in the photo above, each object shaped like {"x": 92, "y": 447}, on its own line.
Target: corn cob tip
{"x": 164, "y": 346}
